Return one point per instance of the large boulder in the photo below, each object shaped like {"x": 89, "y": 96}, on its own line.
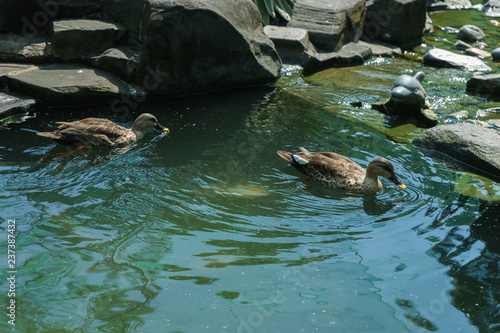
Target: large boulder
{"x": 193, "y": 46}
{"x": 398, "y": 22}
{"x": 488, "y": 85}
{"x": 331, "y": 24}
{"x": 472, "y": 144}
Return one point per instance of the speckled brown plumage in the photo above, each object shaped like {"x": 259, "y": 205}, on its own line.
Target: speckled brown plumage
{"x": 340, "y": 172}
{"x": 99, "y": 132}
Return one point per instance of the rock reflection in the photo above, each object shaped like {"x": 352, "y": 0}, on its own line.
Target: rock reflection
{"x": 473, "y": 256}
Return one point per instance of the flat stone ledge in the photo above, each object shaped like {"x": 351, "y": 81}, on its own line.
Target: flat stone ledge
{"x": 443, "y": 58}
{"x": 71, "y": 85}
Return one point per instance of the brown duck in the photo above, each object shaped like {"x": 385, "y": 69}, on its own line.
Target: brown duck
{"x": 340, "y": 172}
{"x": 100, "y": 132}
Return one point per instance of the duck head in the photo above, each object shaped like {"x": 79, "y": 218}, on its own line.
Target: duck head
{"x": 147, "y": 121}
{"x": 382, "y": 167}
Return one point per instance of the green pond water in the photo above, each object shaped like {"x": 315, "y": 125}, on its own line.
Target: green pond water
{"x": 206, "y": 229}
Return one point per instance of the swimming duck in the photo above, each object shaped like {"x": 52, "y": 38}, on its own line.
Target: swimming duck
{"x": 100, "y": 132}
{"x": 337, "y": 171}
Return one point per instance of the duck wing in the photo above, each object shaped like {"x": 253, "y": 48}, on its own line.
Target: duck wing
{"x": 91, "y": 126}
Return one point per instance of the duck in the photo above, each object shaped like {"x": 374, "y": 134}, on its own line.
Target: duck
{"x": 100, "y": 132}
{"x": 340, "y": 172}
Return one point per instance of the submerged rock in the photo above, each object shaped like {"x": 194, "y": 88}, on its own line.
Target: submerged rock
{"x": 471, "y": 144}
{"x": 443, "y": 58}
{"x": 70, "y": 85}
{"x": 331, "y": 24}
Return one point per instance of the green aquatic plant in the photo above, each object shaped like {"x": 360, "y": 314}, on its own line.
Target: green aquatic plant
{"x": 268, "y": 9}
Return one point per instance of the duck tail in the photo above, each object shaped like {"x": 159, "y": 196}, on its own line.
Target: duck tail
{"x": 285, "y": 155}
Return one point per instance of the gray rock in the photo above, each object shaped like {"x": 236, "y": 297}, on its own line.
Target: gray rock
{"x": 331, "y": 24}
{"x": 470, "y": 33}
{"x": 472, "y": 144}
{"x": 292, "y": 44}
{"x": 496, "y": 54}
{"x": 70, "y": 85}
{"x": 443, "y": 58}
{"x": 397, "y": 22}
{"x": 28, "y": 17}
{"x": 383, "y": 50}
{"x": 131, "y": 14}
{"x": 487, "y": 114}
{"x": 121, "y": 61}
{"x": 29, "y": 48}
{"x": 77, "y": 38}
{"x": 456, "y": 117}
{"x": 349, "y": 55}
{"x": 488, "y": 85}
{"x": 13, "y": 104}
{"x": 461, "y": 45}
{"x": 194, "y": 46}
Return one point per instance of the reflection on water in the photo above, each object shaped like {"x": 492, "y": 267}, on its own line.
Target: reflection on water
{"x": 208, "y": 229}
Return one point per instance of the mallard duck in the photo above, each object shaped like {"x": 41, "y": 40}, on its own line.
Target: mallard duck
{"x": 337, "y": 171}
{"x": 100, "y": 132}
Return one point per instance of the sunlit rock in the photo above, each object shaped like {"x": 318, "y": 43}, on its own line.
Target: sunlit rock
{"x": 475, "y": 145}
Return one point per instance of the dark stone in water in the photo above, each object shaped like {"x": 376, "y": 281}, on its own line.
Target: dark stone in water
{"x": 475, "y": 145}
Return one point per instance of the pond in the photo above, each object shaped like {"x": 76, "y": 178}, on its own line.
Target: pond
{"x": 207, "y": 229}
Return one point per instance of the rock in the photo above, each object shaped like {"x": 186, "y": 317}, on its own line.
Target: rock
{"x": 28, "y": 17}
{"x": 29, "y": 48}
{"x": 487, "y": 114}
{"x": 474, "y": 51}
{"x": 462, "y": 46}
{"x": 331, "y": 24}
{"x": 70, "y": 85}
{"x": 349, "y": 55}
{"x": 131, "y": 14}
{"x": 121, "y": 61}
{"x": 195, "y": 46}
{"x": 77, "y": 38}
{"x": 496, "y": 54}
{"x": 472, "y": 144}
{"x": 383, "y": 50}
{"x": 397, "y": 22}
{"x": 443, "y": 58}
{"x": 292, "y": 44}
{"x": 492, "y": 8}
{"x": 470, "y": 33}
{"x": 456, "y": 117}
{"x": 488, "y": 84}
{"x": 451, "y": 30}
{"x": 13, "y": 104}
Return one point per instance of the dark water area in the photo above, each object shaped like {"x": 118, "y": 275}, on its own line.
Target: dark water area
{"x": 207, "y": 229}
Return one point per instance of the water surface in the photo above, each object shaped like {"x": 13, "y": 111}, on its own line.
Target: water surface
{"x": 207, "y": 229}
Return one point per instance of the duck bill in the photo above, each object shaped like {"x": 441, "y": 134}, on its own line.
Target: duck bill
{"x": 161, "y": 128}
{"x": 393, "y": 178}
